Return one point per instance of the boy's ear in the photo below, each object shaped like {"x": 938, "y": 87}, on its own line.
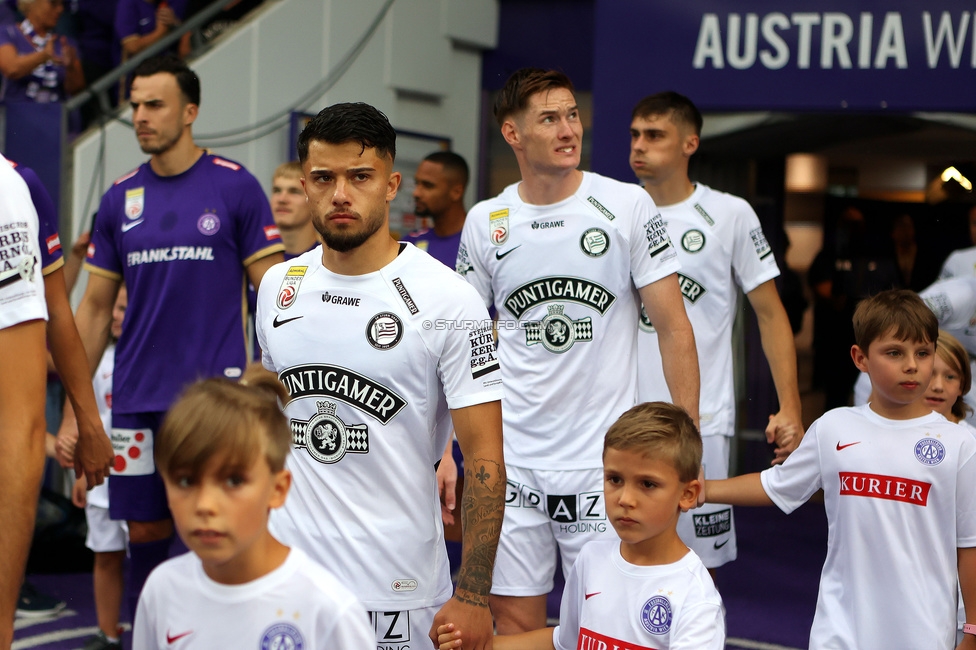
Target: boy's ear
{"x": 689, "y": 496}
{"x": 860, "y": 358}
{"x": 279, "y": 489}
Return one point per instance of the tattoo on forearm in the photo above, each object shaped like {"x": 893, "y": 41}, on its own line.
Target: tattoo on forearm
{"x": 482, "y": 508}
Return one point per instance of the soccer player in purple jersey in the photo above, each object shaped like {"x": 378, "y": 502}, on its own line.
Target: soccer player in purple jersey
{"x": 184, "y": 231}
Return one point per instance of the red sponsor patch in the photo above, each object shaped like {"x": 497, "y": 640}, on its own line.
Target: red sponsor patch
{"x": 126, "y": 177}
{"x": 878, "y": 486}
{"x": 91, "y": 250}
{"x": 53, "y": 243}
{"x": 271, "y": 233}
{"x": 590, "y": 640}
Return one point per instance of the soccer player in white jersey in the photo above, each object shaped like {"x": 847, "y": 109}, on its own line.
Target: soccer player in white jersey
{"x": 899, "y": 485}
{"x": 377, "y": 342}
{"x": 722, "y": 248}
{"x": 962, "y": 263}
{"x": 644, "y": 588}
{"x": 566, "y": 257}
{"x": 221, "y": 452}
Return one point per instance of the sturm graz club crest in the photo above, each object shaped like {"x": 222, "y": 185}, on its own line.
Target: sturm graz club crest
{"x": 557, "y": 332}
{"x": 327, "y": 438}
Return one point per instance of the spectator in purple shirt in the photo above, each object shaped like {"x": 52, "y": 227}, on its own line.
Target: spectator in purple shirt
{"x": 37, "y": 64}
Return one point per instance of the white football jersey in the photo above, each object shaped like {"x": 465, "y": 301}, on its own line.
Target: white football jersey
{"x": 954, "y": 303}
{"x": 21, "y": 282}
{"x": 373, "y": 363}
{"x": 900, "y": 497}
{"x": 102, "y": 384}
{"x": 959, "y": 264}
{"x": 610, "y": 603}
{"x": 721, "y": 246}
{"x": 298, "y": 605}
{"x": 564, "y": 279}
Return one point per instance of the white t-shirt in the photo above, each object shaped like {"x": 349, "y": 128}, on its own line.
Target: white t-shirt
{"x": 298, "y": 605}
{"x": 721, "y": 246}
{"x": 959, "y": 264}
{"x": 102, "y": 383}
{"x": 900, "y": 497}
{"x": 629, "y": 607}
{"x": 564, "y": 278}
{"x": 373, "y": 363}
{"x": 954, "y": 303}
{"x": 21, "y": 282}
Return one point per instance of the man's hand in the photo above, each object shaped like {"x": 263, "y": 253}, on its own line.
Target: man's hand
{"x": 447, "y": 485}
{"x": 472, "y": 622}
{"x": 93, "y": 454}
{"x": 786, "y": 432}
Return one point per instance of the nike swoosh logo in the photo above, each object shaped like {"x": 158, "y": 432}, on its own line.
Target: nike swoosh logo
{"x": 126, "y": 227}
{"x": 174, "y": 639}
{"x": 499, "y": 255}
{"x": 279, "y": 323}
{"x": 850, "y": 444}
{"x": 588, "y": 596}
{"x": 718, "y": 546}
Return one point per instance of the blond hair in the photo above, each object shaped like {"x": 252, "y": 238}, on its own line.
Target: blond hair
{"x": 659, "y": 430}
{"x": 218, "y": 418}
{"x": 952, "y": 352}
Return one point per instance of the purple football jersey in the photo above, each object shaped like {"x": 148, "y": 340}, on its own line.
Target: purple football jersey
{"x": 181, "y": 244}
{"x": 47, "y": 217}
{"x": 442, "y": 249}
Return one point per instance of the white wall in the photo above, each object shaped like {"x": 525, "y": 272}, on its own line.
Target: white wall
{"x": 422, "y": 67}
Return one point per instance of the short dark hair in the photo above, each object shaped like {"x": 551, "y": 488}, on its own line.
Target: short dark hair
{"x": 900, "y": 310}
{"x": 514, "y": 97}
{"x": 658, "y": 430}
{"x": 350, "y": 122}
{"x": 451, "y": 162}
{"x": 681, "y": 109}
{"x": 187, "y": 79}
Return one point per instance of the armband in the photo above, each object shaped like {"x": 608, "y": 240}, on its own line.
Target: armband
{"x": 969, "y": 628}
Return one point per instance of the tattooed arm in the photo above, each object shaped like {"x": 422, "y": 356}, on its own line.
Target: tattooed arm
{"x": 479, "y": 433}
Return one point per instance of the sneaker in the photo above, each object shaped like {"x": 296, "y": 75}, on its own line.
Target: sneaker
{"x": 101, "y": 642}
{"x": 33, "y": 604}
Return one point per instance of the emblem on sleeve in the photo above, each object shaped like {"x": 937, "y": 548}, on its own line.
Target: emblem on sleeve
{"x": 595, "y": 242}
{"x": 656, "y": 615}
{"x": 693, "y": 241}
{"x": 282, "y": 635}
{"x": 930, "y": 451}
{"x": 558, "y": 332}
{"x": 384, "y": 330}
{"x": 759, "y": 241}
{"x": 135, "y": 202}
{"x": 327, "y": 438}
{"x": 289, "y": 286}
{"x": 498, "y": 227}
{"x": 463, "y": 264}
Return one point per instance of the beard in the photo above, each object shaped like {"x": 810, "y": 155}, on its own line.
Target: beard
{"x": 162, "y": 144}
{"x": 347, "y": 238}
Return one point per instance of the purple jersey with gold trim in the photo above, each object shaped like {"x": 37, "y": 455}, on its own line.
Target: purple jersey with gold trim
{"x": 52, "y": 258}
{"x": 181, "y": 244}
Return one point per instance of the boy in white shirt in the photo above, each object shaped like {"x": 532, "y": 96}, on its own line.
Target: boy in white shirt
{"x": 899, "y": 486}
{"x": 221, "y": 452}
{"x": 645, "y": 589}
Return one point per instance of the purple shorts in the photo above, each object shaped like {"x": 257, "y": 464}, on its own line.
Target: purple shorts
{"x": 136, "y": 491}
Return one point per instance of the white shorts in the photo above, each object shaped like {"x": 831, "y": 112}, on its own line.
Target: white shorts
{"x": 404, "y": 630}
{"x": 546, "y": 510}
{"x": 710, "y": 530}
{"x": 105, "y": 535}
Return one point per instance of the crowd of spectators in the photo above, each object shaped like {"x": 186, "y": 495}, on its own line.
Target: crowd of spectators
{"x": 52, "y": 49}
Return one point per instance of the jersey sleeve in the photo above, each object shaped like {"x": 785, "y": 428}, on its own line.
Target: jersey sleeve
{"x": 652, "y": 256}
{"x": 470, "y": 259}
{"x": 103, "y": 257}
{"x": 127, "y": 20}
{"x": 468, "y": 363}
{"x": 47, "y": 219}
{"x": 952, "y": 302}
{"x": 702, "y": 627}
{"x": 347, "y": 628}
{"x": 966, "y": 502}
{"x": 565, "y": 636}
{"x": 753, "y": 261}
{"x": 256, "y": 230}
{"x": 21, "y": 287}
{"x": 791, "y": 484}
